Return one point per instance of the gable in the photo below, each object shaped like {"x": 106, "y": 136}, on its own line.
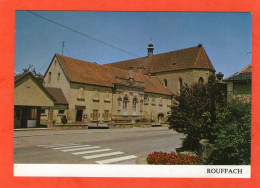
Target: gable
{"x": 28, "y": 92}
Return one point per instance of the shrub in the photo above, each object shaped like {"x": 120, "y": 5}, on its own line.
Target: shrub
{"x": 232, "y": 143}
{"x": 163, "y": 158}
{"x": 141, "y": 119}
{"x": 64, "y": 120}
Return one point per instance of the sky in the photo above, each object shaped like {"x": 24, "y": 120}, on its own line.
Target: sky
{"x": 107, "y": 37}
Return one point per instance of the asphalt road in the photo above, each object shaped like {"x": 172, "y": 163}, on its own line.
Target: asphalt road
{"x": 92, "y": 146}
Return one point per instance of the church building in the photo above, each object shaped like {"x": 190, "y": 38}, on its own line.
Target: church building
{"x": 131, "y": 89}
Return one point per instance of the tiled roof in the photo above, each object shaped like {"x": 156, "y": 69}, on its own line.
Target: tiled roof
{"x": 189, "y": 58}
{"x": 91, "y": 73}
{"x": 242, "y": 75}
{"x": 57, "y": 94}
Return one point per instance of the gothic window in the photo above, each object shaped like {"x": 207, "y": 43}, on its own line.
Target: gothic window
{"x": 180, "y": 84}
{"x": 125, "y": 101}
{"x": 134, "y": 106}
{"x": 201, "y": 81}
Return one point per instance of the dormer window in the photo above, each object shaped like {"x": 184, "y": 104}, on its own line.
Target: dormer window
{"x": 165, "y": 83}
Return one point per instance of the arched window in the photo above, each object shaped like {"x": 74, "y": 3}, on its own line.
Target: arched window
{"x": 165, "y": 83}
{"x": 125, "y": 101}
{"x": 134, "y": 106}
{"x": 119, "y": 101}
{"x": 180, "y": 83}
{"x": 201, "y": 81}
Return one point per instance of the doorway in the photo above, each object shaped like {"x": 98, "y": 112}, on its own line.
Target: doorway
{"x": 160, "y": 118}
{"x": 79, "y": 115}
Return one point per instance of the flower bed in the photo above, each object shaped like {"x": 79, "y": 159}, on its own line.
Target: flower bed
{"x": 163, "y": 158}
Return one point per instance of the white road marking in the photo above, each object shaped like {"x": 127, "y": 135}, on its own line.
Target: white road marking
{"x": 68, "y": 147}
{"x": 75, "y": 149}
{"x": 92, "y": 151}
{"x": 116, "y": 159}
{"x": 57, "y": 145}
{"x": 103, "y": 155}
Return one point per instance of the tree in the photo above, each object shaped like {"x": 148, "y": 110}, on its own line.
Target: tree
{"x": 193, "y": 111}
{"x": 38, "y": 75}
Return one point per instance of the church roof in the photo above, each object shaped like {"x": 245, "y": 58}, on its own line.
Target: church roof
{"x": 91, "y": 73}
{"x": 188, "y": 58}
{"x": 242, "y": 75}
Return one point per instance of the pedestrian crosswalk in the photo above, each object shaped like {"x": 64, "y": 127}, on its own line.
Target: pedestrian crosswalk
{"x": 89, "y": 152}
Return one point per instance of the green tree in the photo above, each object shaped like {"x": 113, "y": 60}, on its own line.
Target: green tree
{"x": 232, "y": 143}
{"x": 193, "y": 111}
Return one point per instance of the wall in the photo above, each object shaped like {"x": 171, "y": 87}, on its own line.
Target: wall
{"x": 28, "y": 93}
{"x": 55, "y": 68}
{"x": 188, "y": 76}
{"x": 239, "y": 90}
{"x": 87, "y": 101}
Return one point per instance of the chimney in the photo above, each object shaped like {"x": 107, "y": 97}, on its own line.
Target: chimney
{"x": 200, "y": 45}
{"x": 150, "y": 50}
{"x": 130, "y": 72}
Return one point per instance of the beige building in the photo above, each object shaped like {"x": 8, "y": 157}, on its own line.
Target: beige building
{"x": 127, "y": 90}
{"x": 239, "y": 85}
{"x": 31, "y": 99}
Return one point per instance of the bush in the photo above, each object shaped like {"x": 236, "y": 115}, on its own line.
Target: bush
{"x": 64, "y": 120}
{"x": 163, "y": 158}
{"x": 232, "y": 143}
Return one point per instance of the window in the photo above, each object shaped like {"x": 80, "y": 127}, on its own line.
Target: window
{"x": 49, "y": 77}
{"x": 119, "y": 101}
{"x": 106, "y": 115}
{"x": 42, "y": 111}
{"x": 125, "y": 101}
{"x": 146, "y": 99}
{"x": 160, "y": 101}
{"x": 17, "y": 114}
{"x": 165, "y": 83}
{"x": 61, "y": 111}
{"x": 58, "y": 77}
{"x": 107, "y": 96}
{"x": 141, "y": 106}
{"x": 81, "y": 93}
{"x": 169, "y": 103}
{"x": 153, "y": 101}
{"x": 96, "y": 95}
{"x": 95, "y": 115}
{"x": 134, "y": 106}
{"x": 180, "y": 84}
{"x": 201, "y": 81}
{"x": 33, "y": 113}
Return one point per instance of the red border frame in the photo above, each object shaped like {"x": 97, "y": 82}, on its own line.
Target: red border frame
{"x": 7, "y": 26}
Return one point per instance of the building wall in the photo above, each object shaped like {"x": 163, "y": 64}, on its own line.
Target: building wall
{"x": 57, "y": 78}
{"x": 28, "y": 93}
{"x": 239, "y": 90}
{"x": 144, "y": 108}
{"x": 89, "y": 101}
{"x": 188, "y": 76}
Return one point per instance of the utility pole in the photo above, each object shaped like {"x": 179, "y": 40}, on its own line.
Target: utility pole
{"x": 62, "y": 46}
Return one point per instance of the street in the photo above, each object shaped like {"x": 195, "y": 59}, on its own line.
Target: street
{"x": 92, "y": 146}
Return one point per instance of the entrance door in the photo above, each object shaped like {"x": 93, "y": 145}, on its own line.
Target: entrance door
{"x": 24, "y": 117}
{"x": 79, "y": 115}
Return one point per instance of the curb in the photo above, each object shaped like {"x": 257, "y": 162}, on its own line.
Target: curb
{"x": 141, "y": 160}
